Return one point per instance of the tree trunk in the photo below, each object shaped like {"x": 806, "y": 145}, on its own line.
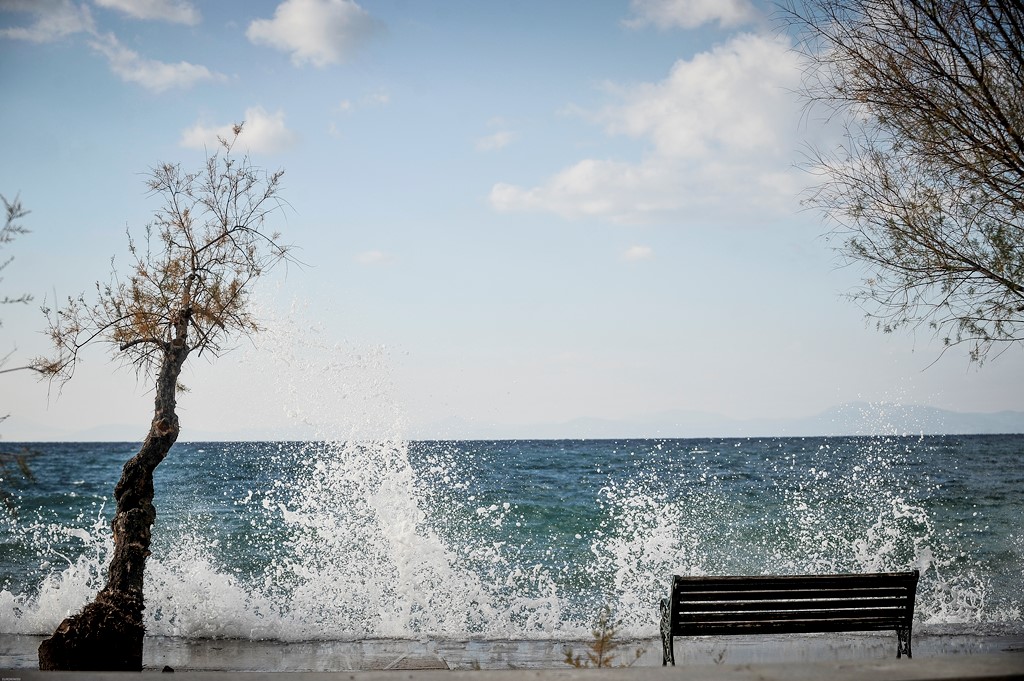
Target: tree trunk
{"x": 107, "y": 634}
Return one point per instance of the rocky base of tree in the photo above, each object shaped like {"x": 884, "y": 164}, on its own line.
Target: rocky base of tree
{"x": 103, "y": 637}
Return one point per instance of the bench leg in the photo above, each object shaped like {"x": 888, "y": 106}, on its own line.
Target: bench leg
{"x": 667, "y": 654}
{"x": 903, "y": 642}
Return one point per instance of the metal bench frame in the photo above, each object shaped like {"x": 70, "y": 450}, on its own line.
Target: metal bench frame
{"x": 798, "y": 604}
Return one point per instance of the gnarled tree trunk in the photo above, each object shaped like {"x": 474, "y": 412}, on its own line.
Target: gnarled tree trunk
{"x": 108, "y": 633}
{"x": 203, "y": 252}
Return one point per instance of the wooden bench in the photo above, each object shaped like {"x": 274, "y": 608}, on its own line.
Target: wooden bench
{"x": 715, "y": 606}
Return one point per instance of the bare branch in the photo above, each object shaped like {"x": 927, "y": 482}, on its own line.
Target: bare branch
{"x": 11, "y": 230}
{"x": 190, "y": 276}
{"x": 927, "y": 193}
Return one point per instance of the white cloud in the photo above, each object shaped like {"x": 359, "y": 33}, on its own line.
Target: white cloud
{"x": 498, "y": 140}
{"x": 174, "y": 11}
{"x": 371, "y": 258}
{"x": 263, "y": 133}
{"x": 638, "y": 253}
{"x": 621, "y": 192}
{"x": 720, "y": 133}
{"x": 54, "y": 19}
{"x": 154, "y": 75}
{"x": 737, "y": 98}
{"x": 320, "y": 32}
{"x": 666, "y": 14}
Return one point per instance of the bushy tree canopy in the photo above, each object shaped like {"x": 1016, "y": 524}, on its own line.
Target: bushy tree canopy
{"x": 191, "y": 277}
{"x": 927, "y": 193}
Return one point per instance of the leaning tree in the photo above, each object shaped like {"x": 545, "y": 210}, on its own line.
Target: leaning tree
{"x": 927, "y": 193}
{"x": 187, "y": 292}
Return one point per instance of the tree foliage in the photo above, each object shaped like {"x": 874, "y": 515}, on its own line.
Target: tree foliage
{"x": 927, "y": 193}
{"x": 12, "y": 462}
{"x": 11, "y": 230}
{"x": 191, "y": 277}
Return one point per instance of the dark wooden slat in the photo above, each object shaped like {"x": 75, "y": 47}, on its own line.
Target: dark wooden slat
{"x": 790, "y": 600}
{"x": 868, "y": 577}
{"x": 893, "y": 616}
{"x": 792, "y": 582}
{"x": 733, "y": 606}
{"x": 791, "y": 627}
{"x": 795, "y": 594}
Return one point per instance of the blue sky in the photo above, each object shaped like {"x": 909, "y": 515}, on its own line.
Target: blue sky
{"x": 509, "y": 214}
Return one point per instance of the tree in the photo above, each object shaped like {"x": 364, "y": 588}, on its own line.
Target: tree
{"x": 927, "y": 193}
{"x": 11, "y": 230}
{"x": 11, "y": 461}
{"x": 188, "y": 292}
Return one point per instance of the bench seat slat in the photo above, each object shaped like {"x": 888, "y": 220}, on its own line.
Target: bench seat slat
{"x": 792, "y": 581}
{"x": 790, "y": 627}
{"x": 687, "y": 594}
{"x": 686, "y": 605}
{"x": 890, "y": 615}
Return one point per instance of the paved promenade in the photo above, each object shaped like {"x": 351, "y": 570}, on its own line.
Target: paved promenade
{"x": 762, "y": 658}
{"x": 988, "y": 667}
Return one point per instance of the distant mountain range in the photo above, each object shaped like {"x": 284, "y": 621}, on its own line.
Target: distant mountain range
{"x": 856, "y": 418}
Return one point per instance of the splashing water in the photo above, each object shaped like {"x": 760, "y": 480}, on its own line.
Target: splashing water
{"x": 355, "y": 535}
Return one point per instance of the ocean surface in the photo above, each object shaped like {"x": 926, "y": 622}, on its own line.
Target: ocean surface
{"x": 519, "y": 540}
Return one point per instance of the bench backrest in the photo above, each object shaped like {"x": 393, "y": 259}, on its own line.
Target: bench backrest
{"x": 703, "y": 606}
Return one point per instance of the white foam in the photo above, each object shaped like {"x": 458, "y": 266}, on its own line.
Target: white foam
{"x": 357, "y": 542}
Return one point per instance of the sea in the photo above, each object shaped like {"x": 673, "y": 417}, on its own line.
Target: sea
{"x": 512, "y": 540}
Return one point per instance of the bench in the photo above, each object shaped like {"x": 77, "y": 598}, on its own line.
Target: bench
{"x": 799, "y": 604}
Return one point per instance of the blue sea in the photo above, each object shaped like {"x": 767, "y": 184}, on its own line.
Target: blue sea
{"x": 344, "y": 541}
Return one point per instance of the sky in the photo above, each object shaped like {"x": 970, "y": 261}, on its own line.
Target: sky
{"x": 508, "y": 215}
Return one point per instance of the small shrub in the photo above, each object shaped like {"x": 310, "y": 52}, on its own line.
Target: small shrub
{"x": 604, "y": 648}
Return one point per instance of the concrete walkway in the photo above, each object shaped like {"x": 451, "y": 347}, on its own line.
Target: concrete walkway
{"x": 988, "y": 667}
{"x": 237, "y": 655}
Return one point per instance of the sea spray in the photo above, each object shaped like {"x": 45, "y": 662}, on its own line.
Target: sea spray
{"x": 370, "y": 539}
{"x": 361, "y": 558}
{"x": 366, "y": 551}
{"x": 64, "y": 563}
{"x": 358, "y": 533}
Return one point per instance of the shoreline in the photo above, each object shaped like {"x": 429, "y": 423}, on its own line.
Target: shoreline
{"x": 18, "y": 653}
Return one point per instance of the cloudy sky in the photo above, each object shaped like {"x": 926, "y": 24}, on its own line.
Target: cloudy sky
{"x": 508, "y": 214}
